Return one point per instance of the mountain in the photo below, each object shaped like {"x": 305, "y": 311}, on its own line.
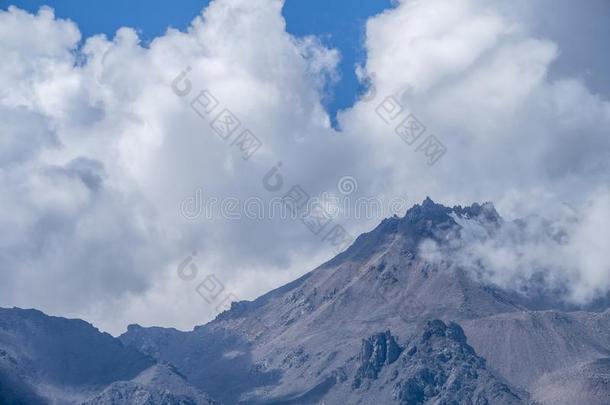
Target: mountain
{"x": 53, "y": 360}
{"x": 388, "y": 321}
{"x": 298, "y": 343}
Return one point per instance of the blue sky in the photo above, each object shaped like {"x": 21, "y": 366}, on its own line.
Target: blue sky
{"x": 338, "y": 23}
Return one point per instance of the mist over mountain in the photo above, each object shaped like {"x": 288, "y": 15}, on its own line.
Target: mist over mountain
{"x": 402, "y": 316}
{"x": 556, "y": 258}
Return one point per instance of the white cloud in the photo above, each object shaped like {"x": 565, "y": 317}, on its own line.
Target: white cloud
{"x": 560, "y": 253}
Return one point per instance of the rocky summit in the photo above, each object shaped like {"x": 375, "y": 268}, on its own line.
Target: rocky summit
{"x": 385, "y": 322}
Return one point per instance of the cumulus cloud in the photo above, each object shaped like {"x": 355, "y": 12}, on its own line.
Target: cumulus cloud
{"x": 98, "y": 153}
{"x": 507, "y": 127}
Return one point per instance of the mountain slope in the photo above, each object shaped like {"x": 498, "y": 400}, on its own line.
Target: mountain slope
{"x": 584, "y": 383}
{"x": 524, "y": 346}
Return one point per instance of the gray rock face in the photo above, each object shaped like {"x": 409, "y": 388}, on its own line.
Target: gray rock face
{"x": 441, "y": 368}
{"x": 435, "y": 365}
{"x": 377, "y": 351}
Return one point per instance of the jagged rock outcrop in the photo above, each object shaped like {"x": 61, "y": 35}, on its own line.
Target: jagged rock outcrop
{"x": 441, "y": 368}
{"x": 377, "y": 351}
{"x": 436, "y": 366}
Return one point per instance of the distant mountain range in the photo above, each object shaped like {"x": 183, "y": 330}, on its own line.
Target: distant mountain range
{"x": 379, "y": 324}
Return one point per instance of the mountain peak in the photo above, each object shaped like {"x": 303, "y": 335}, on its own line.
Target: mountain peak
{"x": 485, "y": 211}
{"x": 428, "y": 211}
{"x": 428, "y": 201}
{"x": 428, "y": 220}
